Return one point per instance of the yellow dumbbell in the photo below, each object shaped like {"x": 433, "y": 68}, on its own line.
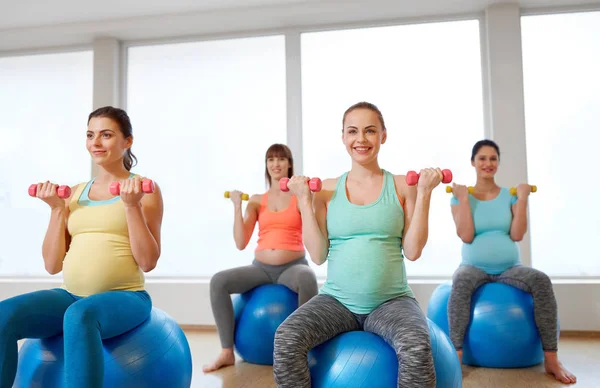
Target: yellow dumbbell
{"x": 244, "y": 196}
{"x": 449, "y": 189}
{"x": 513, "y": 190}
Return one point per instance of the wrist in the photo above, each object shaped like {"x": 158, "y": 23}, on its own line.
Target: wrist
{"x": 424, "y": 193}
{"x": 134, "y": 206}
{"x": 305, "y": 206}
{"x": 58, "y": 210}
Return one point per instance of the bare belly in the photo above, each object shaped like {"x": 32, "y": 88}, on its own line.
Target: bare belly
{"x": 277, "y": 256}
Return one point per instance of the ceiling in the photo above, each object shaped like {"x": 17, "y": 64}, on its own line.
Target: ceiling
{"x": 26, "y": 24}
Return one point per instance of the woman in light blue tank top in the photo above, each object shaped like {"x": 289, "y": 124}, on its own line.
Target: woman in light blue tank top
{"x": 364, "y": 224}
{"x": 490, "y": 221}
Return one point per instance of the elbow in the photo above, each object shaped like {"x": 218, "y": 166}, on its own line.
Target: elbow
{"x": 149, "y": 266}
{"x": 413, "y": 254}
{"x": 516, "y": 237}
{"x": 466, "y": 237}
{"x": 53, "y": 269}
{"x": 240, "y": 246}
{"x": 318, "y": 257}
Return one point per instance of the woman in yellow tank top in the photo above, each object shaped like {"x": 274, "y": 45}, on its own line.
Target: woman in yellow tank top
{"x": 103, "y": 244}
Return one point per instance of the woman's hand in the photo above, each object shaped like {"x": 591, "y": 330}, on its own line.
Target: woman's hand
{"x": 523, "y": 190}
{"x": 298, "y": 185}
{"x": 461, "y": 192}
{"x": 131, "y": 191}
{"x": 429, "y": 179}
{"x": 236, "y": 197}
{"x": 48, "y": 192}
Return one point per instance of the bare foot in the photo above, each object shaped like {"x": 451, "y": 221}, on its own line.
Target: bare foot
{"x": 459, "y": 353}
{"x": 226, "y": 358}
{"x": 555, "y": 368}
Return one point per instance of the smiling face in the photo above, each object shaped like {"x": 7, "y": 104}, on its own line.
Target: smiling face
{"x": 105, "y": 141}
{"x": 363, "y": 135}
{"x": 278, "y": 167}
{"x": 486, "y": 162}
{"x": 279, "y": 163}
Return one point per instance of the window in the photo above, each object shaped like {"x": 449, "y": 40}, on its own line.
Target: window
{"x": 561, "y": 58}
{"x": 44, "y": 104}
{"x": 427, "y": 81}
{"x": 203, "y": 115}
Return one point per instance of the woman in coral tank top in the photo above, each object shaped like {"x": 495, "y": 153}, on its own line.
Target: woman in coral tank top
{"x": 279, "y": 256}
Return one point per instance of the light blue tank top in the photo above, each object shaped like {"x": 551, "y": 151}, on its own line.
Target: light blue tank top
{"x": 365, "y": 265}
{"x": 492, "y": 250}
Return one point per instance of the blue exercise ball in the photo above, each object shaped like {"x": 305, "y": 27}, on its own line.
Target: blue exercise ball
{"x": 258, "y": 313}
{"x": 154, "y": 354}
{"x": 353, "y": 359}
{"x": 502, "y": 332}
{"x": 359, "y": 359}
{"x": 448, "y": 373}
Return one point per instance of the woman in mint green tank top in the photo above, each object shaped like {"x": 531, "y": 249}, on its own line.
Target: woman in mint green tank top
{"x": 490, "y": 220}
{"x": 364, "y": 224}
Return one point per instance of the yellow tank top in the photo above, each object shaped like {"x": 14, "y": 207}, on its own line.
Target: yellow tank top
{"x": 99, "y": 258}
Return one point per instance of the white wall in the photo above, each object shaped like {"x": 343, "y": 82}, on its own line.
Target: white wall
{"x": 187, "y": 299}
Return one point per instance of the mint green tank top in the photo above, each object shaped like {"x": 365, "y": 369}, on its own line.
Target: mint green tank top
{"x": 365, "y": 265}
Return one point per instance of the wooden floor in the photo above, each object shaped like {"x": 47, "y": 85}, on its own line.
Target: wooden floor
{"x": 580, "y": 354}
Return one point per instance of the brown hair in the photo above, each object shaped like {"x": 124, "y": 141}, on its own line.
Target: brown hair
{"x": 364, "y": 105}
{"x": 277, "y": 151}
{"x": 120, "y": 117}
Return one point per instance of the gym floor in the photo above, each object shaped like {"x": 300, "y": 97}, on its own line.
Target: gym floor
{"x": 579, "y": 352}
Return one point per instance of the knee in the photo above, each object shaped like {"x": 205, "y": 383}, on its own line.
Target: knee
{"x": 218, "y": 282}
{"x": 414, "y": 347}
{"x": 307, "y": 279}
{"x": 287, "y": 338}
{"x": 80, "y": 315}
{"x": 7, "y": 318}
{"x": 464, "y": 278}
{"x": 542, "y": 281}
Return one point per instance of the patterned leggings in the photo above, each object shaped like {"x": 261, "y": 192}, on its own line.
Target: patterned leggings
{"x": 400, "y": 322}
{"x": 467, "y": 279}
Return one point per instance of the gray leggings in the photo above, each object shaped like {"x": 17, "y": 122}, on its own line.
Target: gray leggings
{"x": 400, "y": 322}
{"x": 467, "y": 279}
{"x": 296, "y": 275}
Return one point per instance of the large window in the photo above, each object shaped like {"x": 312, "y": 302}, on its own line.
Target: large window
{"x": 427, "y": 81}
{"x": 561, "y": 58}
{"x": 203, "y": 114}
{"x": 44, "y": 103}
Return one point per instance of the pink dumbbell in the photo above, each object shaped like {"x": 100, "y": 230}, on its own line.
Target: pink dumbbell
{"x": 412, "y": 177}
{"x": 147, "y": 187}
{"x": 63, "y": 191}
{"x": 314, "y": 184}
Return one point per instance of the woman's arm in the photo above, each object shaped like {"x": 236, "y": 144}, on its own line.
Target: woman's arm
{"x": 57, "y": 239}
{"x": 314, "y": 216}
{"x": 417, "y": 200}
{"x": 463, "y": 219}
{"x": 144, "y": 221}
{"x": 518, "y": 226}
{"x": 243, "y": 227}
